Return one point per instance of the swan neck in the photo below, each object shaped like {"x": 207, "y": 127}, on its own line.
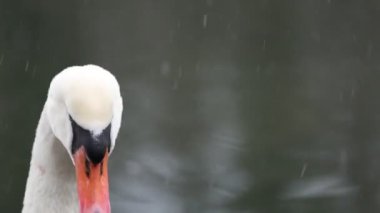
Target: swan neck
{"x": 51, "y": 181}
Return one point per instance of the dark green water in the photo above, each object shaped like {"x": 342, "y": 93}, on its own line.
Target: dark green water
{"x": 230, "y": 106}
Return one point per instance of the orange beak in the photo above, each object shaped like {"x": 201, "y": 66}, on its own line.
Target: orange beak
{"x": 92, "y": 183}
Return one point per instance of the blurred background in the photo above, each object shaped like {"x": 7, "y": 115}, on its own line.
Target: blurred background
{"x": 239, "y": 106}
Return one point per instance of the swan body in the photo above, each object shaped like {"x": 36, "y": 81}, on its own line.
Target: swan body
{"x": 76, "y": 132}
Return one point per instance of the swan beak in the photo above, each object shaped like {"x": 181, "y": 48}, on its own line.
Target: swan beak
{"x": 92, "y": 183}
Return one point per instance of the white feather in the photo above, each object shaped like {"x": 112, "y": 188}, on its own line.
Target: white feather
{"x": 91, "y": 96}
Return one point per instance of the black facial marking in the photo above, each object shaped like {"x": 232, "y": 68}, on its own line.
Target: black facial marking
{"x": 101, "y": 168}
{"x": 88, "y": 168}
{"x": 96, "y": 146}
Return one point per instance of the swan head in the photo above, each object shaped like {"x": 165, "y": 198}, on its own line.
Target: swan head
{"x": 84, "y": 109}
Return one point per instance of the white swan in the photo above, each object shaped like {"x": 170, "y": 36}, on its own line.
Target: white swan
{"x": 80, "y": 121}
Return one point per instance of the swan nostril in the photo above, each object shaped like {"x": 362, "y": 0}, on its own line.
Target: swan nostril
{"x": 96, "y": 209}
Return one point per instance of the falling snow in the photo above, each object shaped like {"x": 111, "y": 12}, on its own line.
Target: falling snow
{"x": 26, "y": 66}
{"x": 304, "y": 167}
{"x": 205, "y": 17}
